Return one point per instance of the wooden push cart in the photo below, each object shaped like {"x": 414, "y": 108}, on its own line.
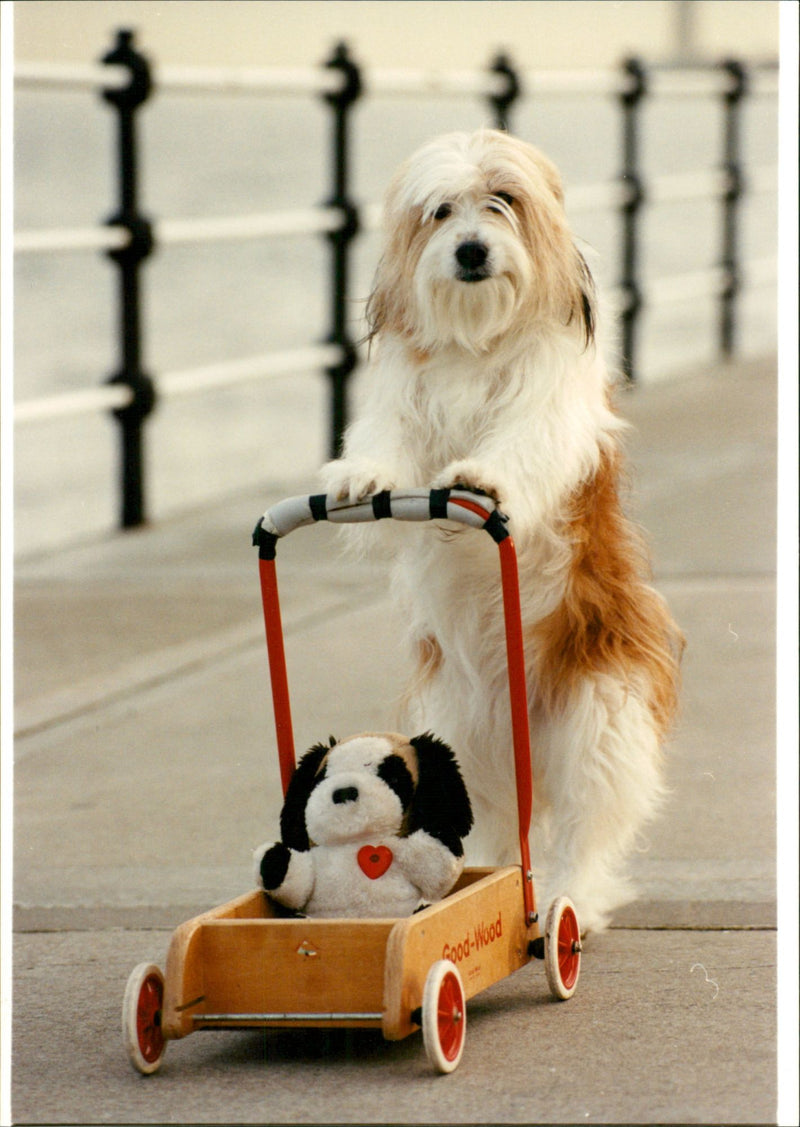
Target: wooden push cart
{"x": 243, "y": 965}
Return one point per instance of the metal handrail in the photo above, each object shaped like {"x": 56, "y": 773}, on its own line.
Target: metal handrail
{"x": 188, "y": 381}
{"x": 126, "y": 78}
{"x": 668, "y": 82}
{"x": 669, "y": 188}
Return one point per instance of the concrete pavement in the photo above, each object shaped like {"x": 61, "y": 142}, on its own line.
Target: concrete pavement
{"x": 146, "y": 772}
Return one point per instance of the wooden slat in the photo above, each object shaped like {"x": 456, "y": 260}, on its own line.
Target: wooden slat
{"x": 183, "y": 985}
{"x": 239, "y": 959}
{"x": 294, "y": 965}
{"x": 481, "y": 928}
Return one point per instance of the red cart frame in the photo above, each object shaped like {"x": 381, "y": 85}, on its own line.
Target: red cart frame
{"x": 241, "y": 966}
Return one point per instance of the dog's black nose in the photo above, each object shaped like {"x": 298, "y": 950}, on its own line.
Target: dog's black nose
{"x": 472, "y": 255}
{"x": 345, "y": 794}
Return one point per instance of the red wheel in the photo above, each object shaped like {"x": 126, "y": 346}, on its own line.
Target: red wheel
{"x": 562, "y": 948}
{"x": 141, "y": 1018}
{"x": 444, "y": 1016}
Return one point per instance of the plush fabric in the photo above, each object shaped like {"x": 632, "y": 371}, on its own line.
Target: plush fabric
{"x": 372, "y": 826}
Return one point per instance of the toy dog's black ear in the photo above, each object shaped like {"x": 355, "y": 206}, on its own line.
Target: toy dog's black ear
{"x": 441, "y": 804}
{"x": 293, "y": 815}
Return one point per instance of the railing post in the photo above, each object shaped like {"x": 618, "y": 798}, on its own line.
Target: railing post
{"x": 340, "y": 239}
{"x": 730, "y": 203}
{"x": 632, "y": 179}
{"x": 503, "y": 101}
{"x": 126, "y": 101}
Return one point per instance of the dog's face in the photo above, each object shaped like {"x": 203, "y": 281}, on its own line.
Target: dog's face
{"x": 363, "y": 786}
{"x": 377, "y": 784}
{"x": 478, "y": 246}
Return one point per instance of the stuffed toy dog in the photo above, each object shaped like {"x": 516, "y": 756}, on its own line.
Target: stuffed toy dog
{"x": 372, "y": 826}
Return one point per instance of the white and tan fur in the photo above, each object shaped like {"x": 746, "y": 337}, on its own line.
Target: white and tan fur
{"x": 488, "y": 373}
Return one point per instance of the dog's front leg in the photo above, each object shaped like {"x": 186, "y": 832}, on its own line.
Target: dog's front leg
{"x": 516, "y": 483}
{"x": 375, "y": 457}
{"x": 472, "y": 474}
{"x": 354, "y": 478}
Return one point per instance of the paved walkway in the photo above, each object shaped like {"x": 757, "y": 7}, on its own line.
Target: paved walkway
{"x": 146, "y": 772}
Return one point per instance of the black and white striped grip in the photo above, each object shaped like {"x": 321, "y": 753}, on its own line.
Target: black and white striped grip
{"x": 461, "y": 505}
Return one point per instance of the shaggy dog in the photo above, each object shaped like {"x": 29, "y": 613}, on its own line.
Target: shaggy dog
{"x": 489, "y": 375}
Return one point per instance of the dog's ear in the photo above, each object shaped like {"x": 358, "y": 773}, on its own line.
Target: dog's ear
{"x": 587, "y": 297}
{"x": 441, "y": 805}
{"x": 387, "y": 304}
{"x": 376, "y": 311}
{"x": 293, "y": 815}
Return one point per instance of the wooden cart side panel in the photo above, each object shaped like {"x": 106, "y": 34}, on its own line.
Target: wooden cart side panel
{"x": 241, "y": 966}
{"x": 183, "y": 979}
{"x": 480, "y": 928}
{"x": 469, "y": 877}
{"x": 294, "y": 966}
{"x": 253, "y": 905}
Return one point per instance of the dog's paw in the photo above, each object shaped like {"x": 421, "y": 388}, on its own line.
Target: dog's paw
{"x": 353, "y": 479}
{"x": 472, "y": 476}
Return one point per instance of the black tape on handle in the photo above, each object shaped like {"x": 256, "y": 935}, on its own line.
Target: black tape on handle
{"x": 265, "y": 542}
{"x": 438, "y": 503}
{"x": 382, "y": 505}
{"x": 496, "y": 526}
{"x": 317, "y": 504}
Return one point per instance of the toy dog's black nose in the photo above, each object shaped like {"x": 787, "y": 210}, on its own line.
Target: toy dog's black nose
{"x": 345, "y": 794}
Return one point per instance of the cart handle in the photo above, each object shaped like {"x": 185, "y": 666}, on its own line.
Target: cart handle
{"x": 465, "y": 506}
{"x": 476, "y": 510}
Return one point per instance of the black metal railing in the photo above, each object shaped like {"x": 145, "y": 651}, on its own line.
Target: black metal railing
{"x": 126, "y": 100}
{"x": 127, "y": 81}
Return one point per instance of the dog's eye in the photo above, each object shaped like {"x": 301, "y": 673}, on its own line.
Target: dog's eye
{"x": 506, "y": 198}
{"x": 442, "y": 211}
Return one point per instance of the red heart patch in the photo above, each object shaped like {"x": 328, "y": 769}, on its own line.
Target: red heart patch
{"x": 374, "y": 860}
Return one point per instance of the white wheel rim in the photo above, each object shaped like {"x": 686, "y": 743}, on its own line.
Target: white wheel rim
{"x": 144, "y": 1044}
{"x": 444, "y": 1016}
{"x": 562, "y": 960}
